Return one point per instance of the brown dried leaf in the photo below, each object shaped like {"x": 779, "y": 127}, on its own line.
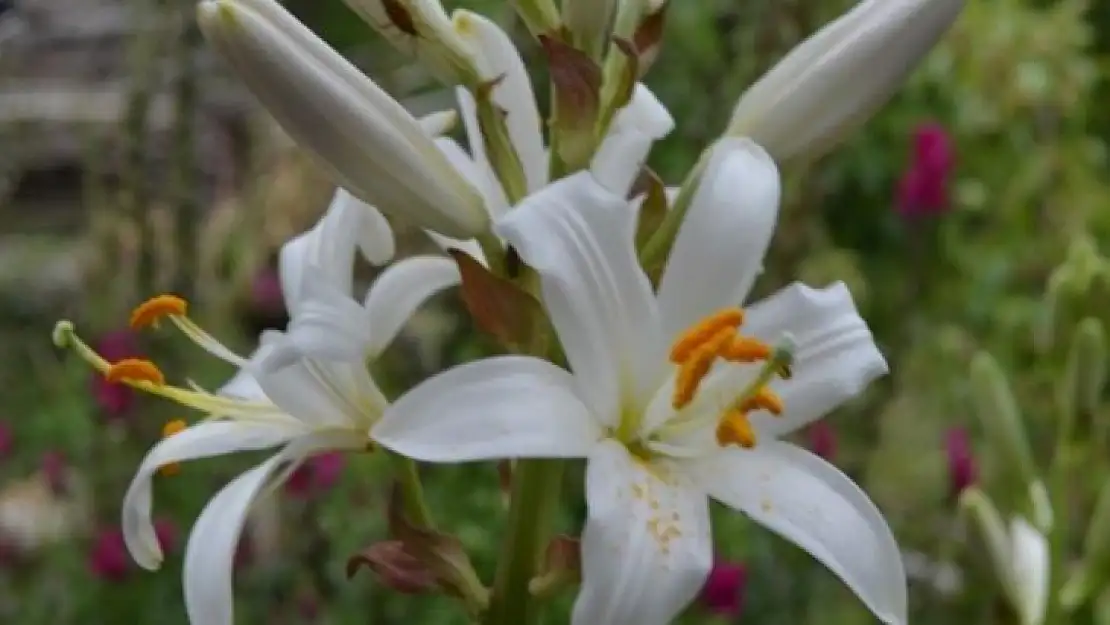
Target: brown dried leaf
{"x": 399, "y": 16}
{"x": 395, "y": 567}
{"x": 499, "y": 307}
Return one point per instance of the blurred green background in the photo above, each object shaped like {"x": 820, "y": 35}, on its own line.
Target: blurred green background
{"x": 131, "y": 163}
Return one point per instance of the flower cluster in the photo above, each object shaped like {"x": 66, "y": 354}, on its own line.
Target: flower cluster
{"x": 620, "y": 302}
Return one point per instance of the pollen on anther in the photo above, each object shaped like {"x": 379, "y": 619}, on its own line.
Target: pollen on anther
{"x": 764, "y": 399}
{"x": 696, "y": 367}
{"x": 134, "y": 370}
{"x": 151, "y": 311}
{"x": 690, "y": 340}
{"x": 735, "y": 429}
{"x": 746, "y": 349}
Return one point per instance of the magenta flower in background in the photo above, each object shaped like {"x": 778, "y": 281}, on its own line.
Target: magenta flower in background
{"x": 822, "y": 440}
{"x": 266, "y": 296}
{"x": 55, "y": 468}
{"x": 723, "y": 592}
{"x": 108, "y": 559}
{"x": 318, "y": 473}
{"x": 166, "y": 531}
{"x": 6, "y": 440}
{"x": 962, "y": 470}
{"x": 924, "y": 187}
{"x": 115, "y": 399}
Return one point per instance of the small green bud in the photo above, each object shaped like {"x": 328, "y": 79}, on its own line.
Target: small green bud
{"x": 981, "y": 512}
{"x": 1084, "y": 376}
{"x": 998, "y": 412}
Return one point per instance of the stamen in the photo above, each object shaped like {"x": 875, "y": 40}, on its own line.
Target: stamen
{"x": 746, "y": 349}
{"x": 703, "y": 331}
{"x": 135, "y": 370}
{"x": 764, "y": 399}
{"x": 735, "y": 429}
{"x": 151, "y": 311}
{"x": 697, "y": 365}
{"x": 168, "y": 430}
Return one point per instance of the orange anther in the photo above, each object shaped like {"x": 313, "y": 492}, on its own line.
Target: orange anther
{"x": 134, "y": 370}
{"x": 696, "y": 366}
{"x": 746, "y": 349}
{"x": 168, "y": 430}
{"x": 701, "y": 332}
{"x": 149, "y": 312}
{"x": 735, "y": 429}
{"x": 764, "y": 399}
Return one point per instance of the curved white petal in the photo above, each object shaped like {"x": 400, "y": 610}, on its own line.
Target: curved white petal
{"x": 439, "y": 123}
{"x": 623, "y": 152}
{"x": 646, "y": 547}
{"x": 487, "y": 182}
{"x": 1030, "y": 571}
{"x": 329, "y": 325}
{"x": 579, "y": 237}
{"x": 204, "y": 440}
{"x": 210, "y": 553}
{"x": 835, "y": 356}
{"x": 498, "y": 60}
{"x": 321, "y": 394}
{"x": 399, "y": 290}
{"x": 242, "y": 385}
{"x": 470, "y": 246}
{"x": 504, "y": 407}
{"x": 328, "y": 249}
{"x": 720, "y": 246}
{"x": 811, "y": 503}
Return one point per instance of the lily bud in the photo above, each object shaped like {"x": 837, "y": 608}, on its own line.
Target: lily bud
{"x": 589, "y": 23}
{"x": 366, "y": 139}
{"x": 422, "y": 30}
{"x": 835, "y": 80}
{"x": 997, "y": 410}
{"x": 1086, "y": 373}
{"x": 1095, "y": 570}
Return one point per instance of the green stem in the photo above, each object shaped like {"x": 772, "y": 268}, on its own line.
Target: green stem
{"x": 412, "y": 491}
{"x": 536, "y": 488}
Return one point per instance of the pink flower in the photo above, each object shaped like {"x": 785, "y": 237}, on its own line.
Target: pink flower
{"x": 923, "y": 188}
{"x": 115, "y": 399}
{"x": 822, "y": 440}
{"x": 108, "y": 559}
{"x": 55, "y": 468}
{"x": 318, "y": 473}
{"x": 932, "y": 148}
{"x": 6, "y": 441}
{"x": 962, "y": 469}
{"x": 723, "y": 592}
{"x": 266, "y": 296}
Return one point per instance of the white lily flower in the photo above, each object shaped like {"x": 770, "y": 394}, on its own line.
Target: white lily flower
{"x": 365, "y": 138}
{"x": 834, "y": 81}
{"x": 303, "y": 406}
{"x": 660, "y": 439}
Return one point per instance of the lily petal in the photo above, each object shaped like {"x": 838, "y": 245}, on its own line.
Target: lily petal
{"x": 497, "y": 59}
{"x": 204, "y": 440}
{"x": 835, "y": 356}
{"x": 579, "y": 237}
{"x": 720, "y": 246}
{"x": 503, "y": 407}
{"x": 811, "y": 503}
{"x": 646, "y": 547}
{"x": 1031, "y": 565}
{"x": 210, "y": 553}
{"x": 329, "y": 326}
{"x": 623, "y": 152}
{"x": 400, "y": 290}
{"x": 487, "y": 182}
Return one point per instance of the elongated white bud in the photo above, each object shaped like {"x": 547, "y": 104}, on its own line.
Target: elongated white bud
{"x": 835, "y": 80}
{"x": 366, "y": 139}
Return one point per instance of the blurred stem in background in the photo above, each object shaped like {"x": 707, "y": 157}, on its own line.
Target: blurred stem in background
{"x": 184, "y": 190}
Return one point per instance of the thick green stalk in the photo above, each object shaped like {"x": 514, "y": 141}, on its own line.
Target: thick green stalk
{"x": 535, "y": 496}
{"x": 412, "y": 491}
